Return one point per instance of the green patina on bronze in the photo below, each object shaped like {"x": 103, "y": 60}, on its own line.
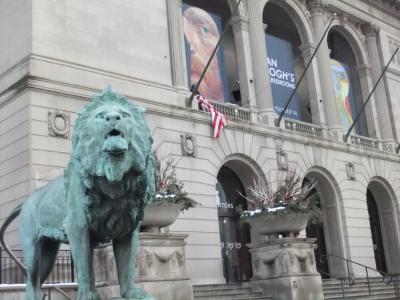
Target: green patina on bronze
{"x": 100, "y": 198}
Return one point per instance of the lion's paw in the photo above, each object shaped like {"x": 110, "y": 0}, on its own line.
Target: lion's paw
{"x": 138, "y": 294}
{"x": 88, "y": 295}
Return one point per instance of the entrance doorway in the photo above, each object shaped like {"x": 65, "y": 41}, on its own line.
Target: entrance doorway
{"x": 233, "y": 235}
{"x": 329, "y": 234}
{"x": 316, "y": 231}
{"x": 376, "y": 233}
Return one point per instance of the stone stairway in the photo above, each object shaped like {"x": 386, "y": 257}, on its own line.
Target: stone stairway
{"x": 379, "y": 290}
{"x": 231, "y": 291}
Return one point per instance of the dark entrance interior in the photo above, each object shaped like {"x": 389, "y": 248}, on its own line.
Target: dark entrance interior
{"x": 233, "y": 235}
{"x": 316, "y": 231}
{"x": 376, "y": 233}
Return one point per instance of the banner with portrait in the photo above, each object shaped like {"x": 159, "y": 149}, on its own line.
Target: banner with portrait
{"x": 282, "y": 74}
{"x": 343, "y": 93}
{"x": 202, "y": 31}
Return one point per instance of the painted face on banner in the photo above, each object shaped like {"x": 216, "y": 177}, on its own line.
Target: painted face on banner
{"x": 341, "y": 83}
{"x": 202, "y": 34}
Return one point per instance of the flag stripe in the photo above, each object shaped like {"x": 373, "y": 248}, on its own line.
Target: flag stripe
{"x": 218, "y": 120}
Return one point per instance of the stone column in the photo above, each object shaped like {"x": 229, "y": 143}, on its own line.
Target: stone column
{"x": 371, "y": 115}
{"x": 262, "y": 82}
{"x": 175, "y": 27}
{"x": 328, "y": 95}
{"x": 382, "y": 105}
{"x": 314, "y": 89}
{"x": 240, "y": 27}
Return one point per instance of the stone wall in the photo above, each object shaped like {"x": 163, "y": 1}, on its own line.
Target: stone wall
{"x": 14, "y": 157}
{"x": 76, "y": 49}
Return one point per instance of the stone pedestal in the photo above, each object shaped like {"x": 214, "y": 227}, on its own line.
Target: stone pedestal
{"x": 161, "y": 268}
{"x": 285, "y": 269}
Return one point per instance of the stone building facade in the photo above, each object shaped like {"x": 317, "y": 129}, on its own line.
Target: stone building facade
{"x": 54, "y": 55}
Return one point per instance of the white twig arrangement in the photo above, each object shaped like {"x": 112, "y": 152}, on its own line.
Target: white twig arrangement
{"x": 287, "y": 194}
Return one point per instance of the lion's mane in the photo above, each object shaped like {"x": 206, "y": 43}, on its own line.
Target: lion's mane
{"x": 93, "y": 162}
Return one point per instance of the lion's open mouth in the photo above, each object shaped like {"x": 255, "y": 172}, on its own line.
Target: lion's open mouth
{"x": 115, "y": 143}
{"x": 115, "y": 132}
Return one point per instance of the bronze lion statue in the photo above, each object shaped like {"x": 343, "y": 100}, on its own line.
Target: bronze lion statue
{"x": 100, "y": 198}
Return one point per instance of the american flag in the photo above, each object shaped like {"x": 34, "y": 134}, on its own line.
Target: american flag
{"x": 218, "y": 120}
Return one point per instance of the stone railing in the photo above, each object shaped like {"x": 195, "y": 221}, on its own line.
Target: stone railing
{"x": 363, "y": 141}
{"x": 303, "y": 127}
{"x": 232, "y": 111}
{"x": 235, "y": 112}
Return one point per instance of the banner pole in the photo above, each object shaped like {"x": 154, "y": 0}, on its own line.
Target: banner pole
{"x": 189, "y": 101}
{"x": 278, "y": 121}
{"x": 345, "y": 138}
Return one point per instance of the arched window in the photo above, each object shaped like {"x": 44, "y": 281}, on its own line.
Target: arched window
{"x": 286, "y": 63}
{"x": 346, "y": 82}
{"x": 203, "y": 22}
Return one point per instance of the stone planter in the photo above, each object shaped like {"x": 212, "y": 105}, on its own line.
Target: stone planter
{"x": 288, "y": 225}
{"x": 160, "y": 214}
{"x": 285, "y": 269}
{"x": 160, "y": 268}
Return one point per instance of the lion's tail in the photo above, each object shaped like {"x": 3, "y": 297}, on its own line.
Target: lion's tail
{"x": 11, "y": 217}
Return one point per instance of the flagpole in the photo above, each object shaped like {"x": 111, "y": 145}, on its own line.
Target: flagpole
{"x": 369, "y": 96}
{"x": 278, "y": 121}
{"x": 189, "y": 101}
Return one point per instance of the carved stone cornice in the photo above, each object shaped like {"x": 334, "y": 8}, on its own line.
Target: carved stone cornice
{"x": 370, "y": 30}
{"x": 392, "y": 6}
{"x": 316, "y": 5}
{"x": 307, "y": 50}
{"x": 239, "y": 19}
{"x": 343, "y": 18}
{"x": 364, "y": 70}
{"x": 240, "y": 23}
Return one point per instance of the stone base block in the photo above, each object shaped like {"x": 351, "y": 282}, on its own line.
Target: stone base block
{"x": 285, "y": 269}
{"x": 291, "y": 287}
{"x": 160, "y": 268}
{"x": 160, "y": 290}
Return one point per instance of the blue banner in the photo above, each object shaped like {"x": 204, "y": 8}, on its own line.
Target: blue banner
{"x": 282, "y": 73}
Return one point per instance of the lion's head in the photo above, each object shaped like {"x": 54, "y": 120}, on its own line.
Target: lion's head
{"x": 111, "y": 137}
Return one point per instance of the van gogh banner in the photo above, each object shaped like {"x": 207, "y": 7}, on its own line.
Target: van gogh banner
{"x": 343, "y": 93}
{"x": 281, "y": 72}
{"x": 202, "y": 31}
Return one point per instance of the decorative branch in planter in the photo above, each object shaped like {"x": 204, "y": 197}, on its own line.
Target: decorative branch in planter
{"x": 288, "y": 202}
{"x": 169, "y": 188}
{"x": 170, "y": 198}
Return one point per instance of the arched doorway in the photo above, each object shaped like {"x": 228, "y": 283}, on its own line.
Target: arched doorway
{"x": 329, "y": 234}
{"x": 316, "y": 231}
{"x": 376, "y": 233}
{"x": 233, "y": 235}
{"x": 383, "y": 214}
